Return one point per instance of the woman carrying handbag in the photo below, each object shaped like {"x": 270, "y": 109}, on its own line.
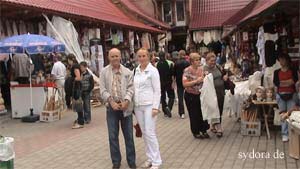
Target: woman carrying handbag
{"x": 77, "y": 103}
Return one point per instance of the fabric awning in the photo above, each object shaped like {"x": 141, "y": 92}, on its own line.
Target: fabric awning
{"x": 208, "y": 14}
{"x": 100, "y": 10}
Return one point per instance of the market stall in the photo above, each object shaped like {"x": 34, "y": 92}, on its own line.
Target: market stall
{"x": 20, "y": 94}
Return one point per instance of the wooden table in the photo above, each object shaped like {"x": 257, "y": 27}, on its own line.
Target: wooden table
{"x": 265, "y": 113}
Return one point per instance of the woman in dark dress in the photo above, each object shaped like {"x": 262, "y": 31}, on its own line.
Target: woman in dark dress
{"x": 76, "y": 94}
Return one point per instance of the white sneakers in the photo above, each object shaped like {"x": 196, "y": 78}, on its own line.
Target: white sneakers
{"x": 285, "y": 138}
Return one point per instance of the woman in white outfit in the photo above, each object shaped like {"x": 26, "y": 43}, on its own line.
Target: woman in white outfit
{"x": 147, "y": 101}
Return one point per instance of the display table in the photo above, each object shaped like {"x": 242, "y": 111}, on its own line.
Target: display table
{"x": 20, "y": 98}
{"x": 266, "y": 113}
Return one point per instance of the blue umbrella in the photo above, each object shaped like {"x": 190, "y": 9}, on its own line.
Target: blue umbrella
{"x": 31, "y": 43}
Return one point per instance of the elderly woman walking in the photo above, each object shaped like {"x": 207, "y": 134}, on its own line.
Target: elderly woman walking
{"x": 219, "y": 84}
{"x": 192, "y": 81}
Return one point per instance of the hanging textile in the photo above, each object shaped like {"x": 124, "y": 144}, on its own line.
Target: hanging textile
{"x": 97, "y": 59}
{"x": 98, "y": 35}
{"x": 22, "y": 28}
{"x": 120, "y": 35}
{"x": 30, "y": 28}
{"x": 215, "y": 35}
{"x": 2, "y": 34}
{"x": 198, "y": 36}
{"x": 8, "y": 29}
{"x": 209, "y": 101}
{"x": 131, "y": 41}
{"x": 145, "y": 41}
{"x": 91, "y": 33}
{"x": 66, "y": 33}
{"x": 260, "y": 44}
{"x": 40, "y": 26}
{"x": 15, "y": 28}
{"x": 207, "y": 38}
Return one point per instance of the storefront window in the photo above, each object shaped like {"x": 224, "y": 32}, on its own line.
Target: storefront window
{"x": 167, "y": 12}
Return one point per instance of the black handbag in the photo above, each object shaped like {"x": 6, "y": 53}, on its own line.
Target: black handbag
{"x": 77, "y": 104}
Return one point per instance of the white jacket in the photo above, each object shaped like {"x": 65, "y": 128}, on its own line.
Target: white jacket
{"x": 147, "y": 87}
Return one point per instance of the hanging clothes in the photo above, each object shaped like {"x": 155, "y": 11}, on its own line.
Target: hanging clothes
{"x": 270, "y": 53}
{"x": 120, "y": 35}
{"x": 98, "y": 35}
{"x": 2, "y": 34}
{"x": 207, "y": 38}
{"x": 145, "y": 41}
{"x": 30, "y": 28}
{"x": 15, "y": 28}
{"x": 40, "y": 26}
{"x": 271, "y": 37}
{"x": 215, "y": 35}
{"x": 198, "y": 36}
{"x": 260, "y": 44}
{"x": 91, "y": 34}
{"x": 131, "y": 41}
{"x": 9, "y": 31}
{"x": 21, "y": 65}
{"x": 22, "y": 28}
{"x": 115, "y": 39}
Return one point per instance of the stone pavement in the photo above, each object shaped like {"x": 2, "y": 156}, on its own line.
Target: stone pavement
{"x": 56, "y": 146}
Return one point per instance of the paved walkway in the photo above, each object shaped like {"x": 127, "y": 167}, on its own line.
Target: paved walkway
{"x": 56, "y": 146}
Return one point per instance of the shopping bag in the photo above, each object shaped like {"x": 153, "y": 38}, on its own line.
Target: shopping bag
{"x": 77, "y": 105}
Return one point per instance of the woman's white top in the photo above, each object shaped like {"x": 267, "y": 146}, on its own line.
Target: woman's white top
{"x": 147, "y": 87}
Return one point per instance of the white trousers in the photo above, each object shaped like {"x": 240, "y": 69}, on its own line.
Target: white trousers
{"x": 147, "y": 124}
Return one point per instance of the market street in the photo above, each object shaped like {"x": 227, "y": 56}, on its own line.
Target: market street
{"x": 56, "y": 146}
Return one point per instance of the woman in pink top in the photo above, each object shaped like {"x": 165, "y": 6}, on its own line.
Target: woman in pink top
{"x": 192, "y": 82}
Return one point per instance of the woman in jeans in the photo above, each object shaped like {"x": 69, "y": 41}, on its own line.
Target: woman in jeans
{"x": 76, "y": 94}
{"x": 147, "y": 100}
{"x": 285, "y": 79}
{"x": 192, "y": 80}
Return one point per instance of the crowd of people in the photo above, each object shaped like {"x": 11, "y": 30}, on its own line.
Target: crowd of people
{"x": 137, "y": 91}
{"x": 152, "y": 82}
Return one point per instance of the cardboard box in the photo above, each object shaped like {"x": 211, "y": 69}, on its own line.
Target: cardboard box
{"x": 49, "y": 116}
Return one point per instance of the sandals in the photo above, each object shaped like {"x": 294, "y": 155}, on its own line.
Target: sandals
{"x": 219, "y": 134}
{"x": 213, "y": 130}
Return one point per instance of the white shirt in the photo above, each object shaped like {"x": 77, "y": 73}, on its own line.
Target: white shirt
{"x": 59, "y": 71}
{"x": 147, "y": 87}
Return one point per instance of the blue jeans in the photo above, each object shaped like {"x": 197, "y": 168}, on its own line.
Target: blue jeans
{"x": 285, "y": 106}
{"x": 86, "y": 97}
{"x": 113, "y": 120}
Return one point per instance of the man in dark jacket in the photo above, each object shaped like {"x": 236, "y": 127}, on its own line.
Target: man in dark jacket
{"x": 166, "y": 72}
{"x": 87, "y": 83}
{"x": 180, "y": 65}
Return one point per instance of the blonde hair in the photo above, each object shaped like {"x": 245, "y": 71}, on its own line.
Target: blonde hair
{"x": 181, "y": 54}
{"x": 210, "y": 55}
{"x": 143, "y": 49}
{"x": 194, "y": 56}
